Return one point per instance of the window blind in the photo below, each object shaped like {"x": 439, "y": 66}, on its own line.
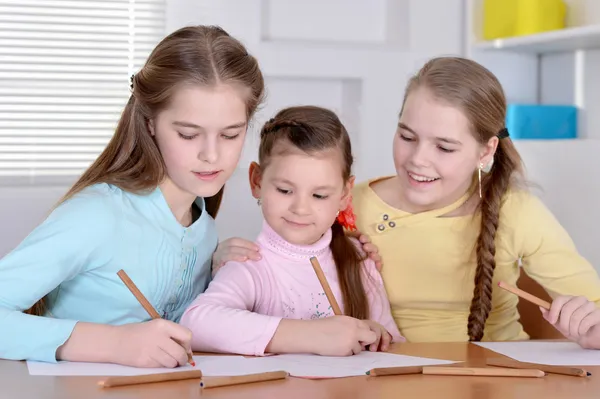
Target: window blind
{"x": 64, "y": 78}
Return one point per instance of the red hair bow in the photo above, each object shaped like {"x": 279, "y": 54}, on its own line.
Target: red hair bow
{"x": 347, "y": 218}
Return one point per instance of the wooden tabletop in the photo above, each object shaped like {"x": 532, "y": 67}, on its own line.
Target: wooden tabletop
{"x": 15, "y": 382}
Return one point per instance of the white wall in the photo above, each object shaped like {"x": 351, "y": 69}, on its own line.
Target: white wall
{"x": 565, "y": 172}
{"x": 21, "y": 209}
{"x": 354, "y": 56}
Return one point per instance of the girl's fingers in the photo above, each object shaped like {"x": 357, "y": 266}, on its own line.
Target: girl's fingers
{"x": 363, "y": 238}
{"x": 578, "y": 315}
{"x": 590, "y": 320}
{"x": 242, "y": 251}
{"x": 566, "y": 313}
{"x": 240, "y": 242}
{"x": 556, "y": 308}
{"x": 375, "y": 345}
{"x": 386, "y": 340}
{"x": 545, "y": 313}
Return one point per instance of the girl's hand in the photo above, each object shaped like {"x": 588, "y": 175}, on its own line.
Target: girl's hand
{"x": 341, "y": 336}
{"x": 577, "y": 319}
{"x": 329, "y": 336}
{"x": 156, "y": 343}
{"x": 384, "y": 338}
{"x": 368, "y": 247}
{"x": 234, "y": 249}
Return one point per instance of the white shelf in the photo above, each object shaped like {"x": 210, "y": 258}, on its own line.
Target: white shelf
{"x": 568, "y": 39}
{"x": 577, "y": 141}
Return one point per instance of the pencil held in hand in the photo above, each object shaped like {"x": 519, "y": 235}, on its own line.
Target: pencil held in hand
{"x": 144, "y": 302}
{"x": 138, "y": 294}
{"x": 525, "y": 295}
{"x": 334, "y": 305}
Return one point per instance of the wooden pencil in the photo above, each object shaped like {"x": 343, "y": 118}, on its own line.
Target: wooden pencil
{"x": 149, "y": 378}
{"x": 144, "y": 302}
{"x": 483, "y": 371}
{"x": 317, "y": 267}
{"x": 138, "y": 294}
{"x": 510, "y": 363}
{"x": 377, "y": 372}
{"x": 213, "y": 382}
{"x": 525, "y": 295}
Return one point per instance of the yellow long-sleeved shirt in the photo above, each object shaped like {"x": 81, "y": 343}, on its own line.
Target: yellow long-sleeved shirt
{"x": 429, "y": 264}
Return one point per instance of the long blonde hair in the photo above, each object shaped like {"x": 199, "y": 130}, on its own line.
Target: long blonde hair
{"x": 479, "y": 95}
{"x": 198, "y": 55}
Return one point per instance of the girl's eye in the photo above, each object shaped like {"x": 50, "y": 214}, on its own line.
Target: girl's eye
{"x": 321, "y": 197}
{"x": 405, "y": 138}
{"x": 282, "y": 191}
{"x": 235, "y": 136}
{"x": 186, "y": 137}
{"x": 447, "y": 150}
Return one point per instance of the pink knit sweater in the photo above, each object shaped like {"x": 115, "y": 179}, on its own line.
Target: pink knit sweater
{"x": 243, "y": 305}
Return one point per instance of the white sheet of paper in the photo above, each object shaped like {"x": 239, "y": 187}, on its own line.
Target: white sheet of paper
{"x": 550, "y": 353}
{"x": 210, "y": 366}
{"x": 309, "y": 366}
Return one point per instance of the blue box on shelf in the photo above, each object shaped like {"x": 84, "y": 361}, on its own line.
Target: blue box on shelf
{"x": 541, "y": 122}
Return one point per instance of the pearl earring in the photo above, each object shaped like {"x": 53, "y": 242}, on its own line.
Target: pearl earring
{"x": 488, "y": 167}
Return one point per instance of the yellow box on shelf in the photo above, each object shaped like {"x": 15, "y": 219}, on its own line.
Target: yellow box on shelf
{"x": 508, "y": 18}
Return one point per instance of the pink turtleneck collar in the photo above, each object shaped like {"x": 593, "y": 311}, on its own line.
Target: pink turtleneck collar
{"x": 273, "y": 242}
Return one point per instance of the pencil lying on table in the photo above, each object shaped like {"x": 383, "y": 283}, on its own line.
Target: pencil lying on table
{"x": 144, "y": 302}
{"x": 483, "y": 371}
{"x": 510, "y": 363}
{"x": 378, "y": 372}
{"x": 334, "y": 305}
{"x": 148, "y": 378}
{"x": 457, "y": 371}
{"x": 213, "y": 382}
{"x": 525, "y": 295}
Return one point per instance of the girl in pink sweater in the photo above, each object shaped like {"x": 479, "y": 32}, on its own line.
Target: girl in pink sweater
{"x": 303, "y": 183}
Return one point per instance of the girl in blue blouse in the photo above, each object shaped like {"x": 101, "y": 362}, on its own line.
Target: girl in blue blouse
{"x": 146, "y": 205}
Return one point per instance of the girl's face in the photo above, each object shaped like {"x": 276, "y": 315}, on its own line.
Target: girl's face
{"x": 435, "y": 153}
{"x": 200, "y": 136}
{"x": 301, "y": 194}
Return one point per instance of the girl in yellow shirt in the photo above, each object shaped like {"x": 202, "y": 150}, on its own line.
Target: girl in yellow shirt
{"x": 456, "y": 219}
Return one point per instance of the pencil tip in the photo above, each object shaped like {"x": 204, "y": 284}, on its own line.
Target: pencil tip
{"x": 589, "y": 374}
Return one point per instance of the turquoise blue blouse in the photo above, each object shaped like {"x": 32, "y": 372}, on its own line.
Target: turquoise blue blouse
{"x": 75, "y": 254}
